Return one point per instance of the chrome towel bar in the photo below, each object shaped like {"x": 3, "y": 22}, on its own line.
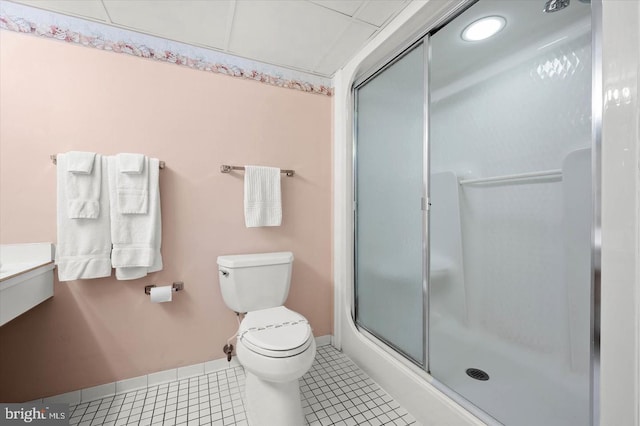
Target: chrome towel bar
{"x": 54, "y": 160}
{"x": 227, "y": 169}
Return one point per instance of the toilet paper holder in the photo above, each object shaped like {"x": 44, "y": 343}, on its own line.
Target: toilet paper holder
{"x": 177, "y": 286}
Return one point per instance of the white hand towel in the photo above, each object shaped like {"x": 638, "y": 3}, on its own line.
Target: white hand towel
{"x": 82, "y": 184}
{"x": 262, "y": 199}
{"x": 136, "y": 237}
{"x": 131, "y": 163}
{"x": 80, "y": 162}
{"x": 132, "y": 182}
{"x": 84, "y": 245}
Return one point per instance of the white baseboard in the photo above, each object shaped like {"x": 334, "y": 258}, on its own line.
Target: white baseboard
{"x": 324, "y": 340}
{"x": 152, "y": 379}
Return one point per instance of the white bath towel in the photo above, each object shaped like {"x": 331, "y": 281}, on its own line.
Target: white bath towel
{"x": 84, "y": 244}
{"x": 82, "y": 185}
{"x": 136, "y": 237}
{"x": 132, "y": 182}
{"x": 262, "y": 199}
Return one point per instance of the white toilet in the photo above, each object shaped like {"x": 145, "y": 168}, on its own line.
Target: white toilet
{"x": 275, "y": 345}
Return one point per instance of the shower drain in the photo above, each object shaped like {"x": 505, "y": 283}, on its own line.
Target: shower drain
{"x": 476, "y": 373}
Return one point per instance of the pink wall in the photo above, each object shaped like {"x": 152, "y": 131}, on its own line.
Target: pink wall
{"x": 56, "y": 97}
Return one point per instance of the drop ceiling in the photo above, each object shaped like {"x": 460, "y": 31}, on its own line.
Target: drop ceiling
{"x": 314, "y": 36}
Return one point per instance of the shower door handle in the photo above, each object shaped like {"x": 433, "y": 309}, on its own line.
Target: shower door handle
{"x": 425, "y": 204}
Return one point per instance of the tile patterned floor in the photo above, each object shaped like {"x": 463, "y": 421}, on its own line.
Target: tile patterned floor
{"x": 334, "y": 392}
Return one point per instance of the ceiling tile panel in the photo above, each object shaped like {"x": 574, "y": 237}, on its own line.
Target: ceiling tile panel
{"x": 347, "y": 7}
{"x": 290, "y": 33}
{"x": 189, "y": 21}
{"x": 87, "y": 8}
{"x": 317, "y": 36}
{"x": 377, "y": 12}
{"x": 353, "y": 38}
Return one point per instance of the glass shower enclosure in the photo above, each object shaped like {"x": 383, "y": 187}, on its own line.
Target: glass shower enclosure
{"x": 473, "y": 211}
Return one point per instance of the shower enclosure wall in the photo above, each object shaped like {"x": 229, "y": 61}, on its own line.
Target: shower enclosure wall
{"x": 473, "y": 208}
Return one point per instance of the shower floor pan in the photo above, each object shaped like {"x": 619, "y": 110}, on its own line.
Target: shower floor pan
{"x": 524, "y": 388}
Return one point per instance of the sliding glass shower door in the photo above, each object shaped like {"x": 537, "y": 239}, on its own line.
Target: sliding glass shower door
{"x": 510, "y": 247}
{"x": 389, "y": 257}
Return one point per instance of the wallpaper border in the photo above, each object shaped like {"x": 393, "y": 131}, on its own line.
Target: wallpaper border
{"x": 28, "y": 20}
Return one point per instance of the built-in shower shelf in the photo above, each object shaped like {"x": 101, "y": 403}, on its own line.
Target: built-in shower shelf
{"x": 440, "y": 267}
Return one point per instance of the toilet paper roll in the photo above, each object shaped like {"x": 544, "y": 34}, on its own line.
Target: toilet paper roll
{"x": 161, "y": 294}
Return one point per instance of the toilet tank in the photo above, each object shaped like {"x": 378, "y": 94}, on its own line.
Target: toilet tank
{"x": 250, "y": 282}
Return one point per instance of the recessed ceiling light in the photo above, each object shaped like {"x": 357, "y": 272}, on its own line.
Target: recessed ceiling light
{"x": 483, "y": 28}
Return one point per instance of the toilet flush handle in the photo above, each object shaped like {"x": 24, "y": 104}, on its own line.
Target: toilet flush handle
{"x": 224, "y": 273}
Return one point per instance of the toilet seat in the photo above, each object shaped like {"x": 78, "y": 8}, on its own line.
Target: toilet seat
{"x": 275, "y": 332}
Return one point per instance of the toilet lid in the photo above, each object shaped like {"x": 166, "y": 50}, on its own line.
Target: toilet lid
{"x": 275, "y": 332}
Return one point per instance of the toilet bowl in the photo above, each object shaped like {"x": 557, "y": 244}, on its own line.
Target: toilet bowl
{"x": 275, "y": 344}
{"x": 276, "y": 348}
